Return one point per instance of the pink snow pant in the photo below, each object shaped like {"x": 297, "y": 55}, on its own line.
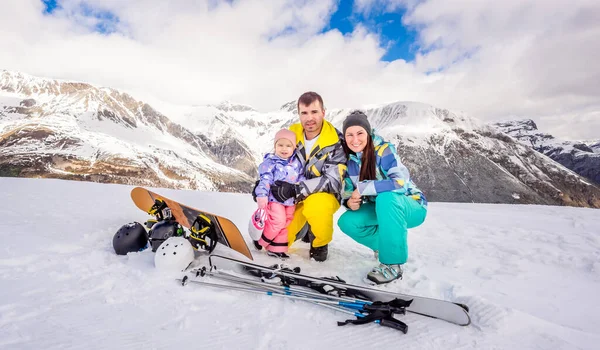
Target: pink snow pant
{"x": 275, "y": 234}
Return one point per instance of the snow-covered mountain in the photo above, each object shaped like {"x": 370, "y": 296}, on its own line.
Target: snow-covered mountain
{"x": 51, "y": 128}
{"x": 71, "y": 130}
{"x": 581, "y": 157}
{"x": 594, "y": 145}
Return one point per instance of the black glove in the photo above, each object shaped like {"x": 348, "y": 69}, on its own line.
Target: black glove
{"x": 283, "y": 191}
{"x": 254, "y": 189}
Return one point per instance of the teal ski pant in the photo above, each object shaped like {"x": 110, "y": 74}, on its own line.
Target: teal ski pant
{"x": 383, "y": 225}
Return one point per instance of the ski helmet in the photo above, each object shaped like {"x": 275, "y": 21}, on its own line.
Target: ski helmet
{"x": 131, "y": 237}
{"x": 257, "y": 224}
{"x": 174, "y": 254}
{"x": 163, "y": 230}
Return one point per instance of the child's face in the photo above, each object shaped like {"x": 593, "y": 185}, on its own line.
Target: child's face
{"x": 284, "y": 148}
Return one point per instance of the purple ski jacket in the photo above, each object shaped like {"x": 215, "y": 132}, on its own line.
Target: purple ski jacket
{"x": 274, "y": 169}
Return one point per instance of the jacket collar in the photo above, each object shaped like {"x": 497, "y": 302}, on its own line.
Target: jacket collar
{"x": 327, "y": 137}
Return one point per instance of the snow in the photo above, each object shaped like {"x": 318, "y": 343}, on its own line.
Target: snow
{"x": 531, "y": 275}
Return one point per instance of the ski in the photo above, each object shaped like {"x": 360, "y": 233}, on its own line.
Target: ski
{"x": 455, "y": 313}
{"x": 365, "y": 312}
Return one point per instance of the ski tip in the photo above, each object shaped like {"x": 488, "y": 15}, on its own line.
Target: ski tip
{"x": 464, "y": 306}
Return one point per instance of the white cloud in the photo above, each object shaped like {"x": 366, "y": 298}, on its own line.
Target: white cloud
{"x": 491, "y": 59}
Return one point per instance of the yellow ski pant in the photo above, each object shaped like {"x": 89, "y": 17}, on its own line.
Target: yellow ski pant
{"x": 317, "y": 209}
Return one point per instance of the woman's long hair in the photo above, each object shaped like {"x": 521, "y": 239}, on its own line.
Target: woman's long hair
{"x": 367, "y": 168}
{"x": 368, "y": 160}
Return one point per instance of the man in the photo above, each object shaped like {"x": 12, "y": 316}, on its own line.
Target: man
{"x": 321, "y": 152}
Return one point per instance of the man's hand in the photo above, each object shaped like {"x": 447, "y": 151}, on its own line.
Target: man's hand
{"x": 355, "y": 200}
{"x": 283, "y": 191}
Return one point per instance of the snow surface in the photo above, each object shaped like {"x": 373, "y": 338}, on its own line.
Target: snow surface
{"x": 531, "y": 275}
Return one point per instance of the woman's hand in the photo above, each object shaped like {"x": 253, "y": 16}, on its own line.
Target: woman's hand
{"x": 355, "y": 200}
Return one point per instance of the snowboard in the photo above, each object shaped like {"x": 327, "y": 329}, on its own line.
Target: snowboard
{"x": 227, "y": 233}
{"x": 435, "y": 308}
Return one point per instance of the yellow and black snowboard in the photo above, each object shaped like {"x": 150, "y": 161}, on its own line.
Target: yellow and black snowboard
{"x": 195, "y": 220}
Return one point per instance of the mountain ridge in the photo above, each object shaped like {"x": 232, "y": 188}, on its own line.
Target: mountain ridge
{"x": 79, "y": 131}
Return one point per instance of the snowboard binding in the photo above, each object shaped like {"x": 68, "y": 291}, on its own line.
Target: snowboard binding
{"x": 203, "y": 234}
{"x": 160, "y": 210}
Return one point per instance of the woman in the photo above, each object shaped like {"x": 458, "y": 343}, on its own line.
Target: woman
{"x": 382, "y": 200}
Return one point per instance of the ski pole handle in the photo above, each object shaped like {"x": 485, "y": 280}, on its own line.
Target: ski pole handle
{"x": 395, "y": 324}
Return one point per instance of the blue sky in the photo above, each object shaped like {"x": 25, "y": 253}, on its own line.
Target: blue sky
{"x": 106, "y": 21}
{"x": 50, "y": 6}
{"x": 398, "y": 40}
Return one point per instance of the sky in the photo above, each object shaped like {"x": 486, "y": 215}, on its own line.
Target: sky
{"x": 493, "y": 60}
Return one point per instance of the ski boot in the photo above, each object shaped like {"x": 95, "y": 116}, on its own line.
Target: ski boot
{"x": 385, "y": 273}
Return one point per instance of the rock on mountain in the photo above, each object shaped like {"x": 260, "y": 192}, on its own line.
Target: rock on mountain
{"x": 581, "y": 157}
{"x": 71, "y": 130}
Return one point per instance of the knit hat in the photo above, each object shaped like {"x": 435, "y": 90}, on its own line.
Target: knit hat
{"x": 357, "y": 118}
{"x": 286, "y": 134}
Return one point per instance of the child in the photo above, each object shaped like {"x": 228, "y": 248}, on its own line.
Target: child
{"x": 285, "y": 166}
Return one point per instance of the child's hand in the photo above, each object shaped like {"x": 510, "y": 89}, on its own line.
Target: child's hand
{"x": 262, "y": 202}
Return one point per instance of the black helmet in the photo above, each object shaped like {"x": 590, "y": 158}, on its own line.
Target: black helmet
{"x": 163, "y": 230}
{"x": 129, "y": 238}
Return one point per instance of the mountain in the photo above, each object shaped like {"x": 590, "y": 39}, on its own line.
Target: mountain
{"x": 51, "y": 128}
{"x": 455, "y": 158}
{"x": 594, "y": 145}
{"x": 72, "y": 130}
{"x": 581, "y": 157}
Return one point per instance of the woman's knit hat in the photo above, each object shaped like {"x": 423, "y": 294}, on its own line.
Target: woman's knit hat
{"x": 357, "y": 118}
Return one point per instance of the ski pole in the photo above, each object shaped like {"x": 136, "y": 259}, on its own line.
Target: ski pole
{"x": 280, "y": 294}
{"x": 203, "y": 271}
{"x": 385, "y": 318}
{"x": 392, "y": 307}
{"x": 235, "y": 278}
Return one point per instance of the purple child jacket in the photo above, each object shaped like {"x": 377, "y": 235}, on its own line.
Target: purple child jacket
{"x": 273, "y": 168}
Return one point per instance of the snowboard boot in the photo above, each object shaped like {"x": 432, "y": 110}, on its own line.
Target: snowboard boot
{"x": 278, "y": 255}
{"x": 385, "y": 273}
{"x": 319, "y": 253}
{"x": 256, "y": 245}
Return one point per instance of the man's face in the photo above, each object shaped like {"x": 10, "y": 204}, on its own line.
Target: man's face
{"x": 311, "y": 116}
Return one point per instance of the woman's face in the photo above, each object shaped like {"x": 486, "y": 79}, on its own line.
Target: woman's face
{"x": 356, "y": 138}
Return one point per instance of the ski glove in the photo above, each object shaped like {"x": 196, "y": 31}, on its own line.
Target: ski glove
{"x": 283, "y": 191}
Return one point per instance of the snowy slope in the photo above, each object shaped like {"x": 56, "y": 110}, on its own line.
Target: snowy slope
{"x": 531, "y": 275}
